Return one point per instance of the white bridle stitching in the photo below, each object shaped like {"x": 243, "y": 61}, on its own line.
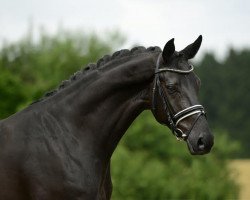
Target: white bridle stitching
{"x": 188, "y": 115}
{"x": 175, "y": 70}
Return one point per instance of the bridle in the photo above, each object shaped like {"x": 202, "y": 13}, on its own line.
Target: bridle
{"x": 174, "y": 119}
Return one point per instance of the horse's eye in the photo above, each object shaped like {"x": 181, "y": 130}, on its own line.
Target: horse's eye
{"x": 171, "y": 89}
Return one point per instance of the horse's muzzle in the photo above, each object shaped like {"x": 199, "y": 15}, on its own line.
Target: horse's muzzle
{"x": 200, "y": 140}
{"x": 201, "y": 146}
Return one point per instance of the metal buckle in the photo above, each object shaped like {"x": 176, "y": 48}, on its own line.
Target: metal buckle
{"x": 180, "y": 136}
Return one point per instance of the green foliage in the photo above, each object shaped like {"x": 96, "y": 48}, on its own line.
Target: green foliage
{"x": 225, "y": 94}
{"x": 28, "y": 69}
{"x": 151, "y": 164}
{"x": 11, "y": 93}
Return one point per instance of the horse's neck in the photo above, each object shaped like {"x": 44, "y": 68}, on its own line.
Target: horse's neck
{"x": 102, "y": 111}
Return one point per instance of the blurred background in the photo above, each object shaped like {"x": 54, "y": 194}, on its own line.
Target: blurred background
{"x": 44, "y": 42}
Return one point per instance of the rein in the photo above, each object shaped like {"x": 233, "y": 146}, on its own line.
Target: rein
{"x": 175, "y": 119}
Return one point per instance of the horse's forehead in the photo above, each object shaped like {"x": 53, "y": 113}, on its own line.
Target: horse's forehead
{"x": 186, "y": 80}
{"x": 179, "y": 59}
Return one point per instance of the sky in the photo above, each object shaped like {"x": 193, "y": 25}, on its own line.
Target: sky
{"x": 223, "y": 23}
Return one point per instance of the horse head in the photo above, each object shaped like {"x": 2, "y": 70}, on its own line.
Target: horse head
{"x": 175, "y": 97}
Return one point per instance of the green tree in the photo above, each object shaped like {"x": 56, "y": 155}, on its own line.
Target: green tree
{"x": 225, "y": 94}
{"x": 11, "y": 93}
{"x": 30, "y": 68}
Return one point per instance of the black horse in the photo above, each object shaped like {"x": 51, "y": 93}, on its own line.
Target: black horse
{"x": 60, "y": 146}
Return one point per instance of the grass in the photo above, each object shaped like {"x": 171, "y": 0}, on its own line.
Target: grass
{"x": 241, "y": 171}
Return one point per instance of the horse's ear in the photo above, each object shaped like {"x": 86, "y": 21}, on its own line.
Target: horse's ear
{"x": 191, "y": 50}
{"x": 168, "y": 50}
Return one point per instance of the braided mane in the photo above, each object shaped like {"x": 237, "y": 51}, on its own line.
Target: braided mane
{"x": 102, "y": 61}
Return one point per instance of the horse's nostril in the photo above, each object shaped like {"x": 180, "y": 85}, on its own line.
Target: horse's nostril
{"x": 201, "y": 144}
